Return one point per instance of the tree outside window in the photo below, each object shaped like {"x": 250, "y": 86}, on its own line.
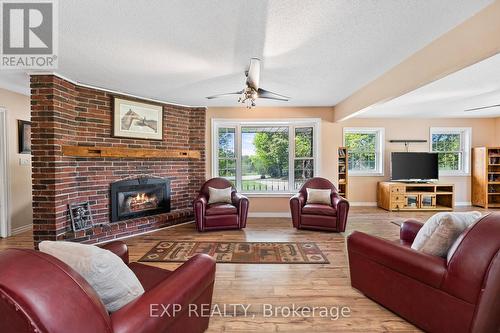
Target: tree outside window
{"x": 227, "y": 153}
{"x": 258, "y": 158}
{"x": 452, "y": 146}
{"x": 364, "y": 147}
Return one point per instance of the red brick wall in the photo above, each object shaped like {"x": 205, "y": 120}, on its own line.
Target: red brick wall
{"x": 63, "y": 113}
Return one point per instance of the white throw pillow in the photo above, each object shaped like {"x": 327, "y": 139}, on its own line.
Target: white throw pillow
{"x": 441, "y": 230}
{"x": 442, "y": 238}
{"x": 456, "y": 243}
{"x": 318, "y": 196}
{"x": 219, "y": 195}
{"x": 113, "y": 281}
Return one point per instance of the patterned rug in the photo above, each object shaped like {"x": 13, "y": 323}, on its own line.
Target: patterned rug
{"x": 239, "y": 252}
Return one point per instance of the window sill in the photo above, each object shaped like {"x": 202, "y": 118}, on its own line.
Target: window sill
{"x": 366, "y": 174}
{"x": 454, "y": 174}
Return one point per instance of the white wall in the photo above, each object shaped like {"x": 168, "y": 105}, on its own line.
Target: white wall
{"x": 21, "y": 213}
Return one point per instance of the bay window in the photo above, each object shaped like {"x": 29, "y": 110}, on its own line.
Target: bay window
{"x": 265, "y": 156}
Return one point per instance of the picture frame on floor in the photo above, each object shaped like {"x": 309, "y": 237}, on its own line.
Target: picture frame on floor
{"x": 81, "y": 216}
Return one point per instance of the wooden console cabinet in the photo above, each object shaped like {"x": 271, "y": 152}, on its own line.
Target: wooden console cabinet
{"x": 395, "y": 196}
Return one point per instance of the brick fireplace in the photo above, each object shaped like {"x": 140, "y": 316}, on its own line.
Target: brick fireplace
{"x": 65, "y": 113}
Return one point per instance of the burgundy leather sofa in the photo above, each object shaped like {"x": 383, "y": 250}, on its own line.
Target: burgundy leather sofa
{"x": 220, "y": 216}
{"x": 319, "y": 216}
{"x": 461, "y": 296}
{"x": 39, "y": 293}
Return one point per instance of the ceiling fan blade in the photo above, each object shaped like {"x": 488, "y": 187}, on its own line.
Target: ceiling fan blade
{"x": 262, "y": 93}
{"x": 227, "y": 94}
{"x": 482, "y": 107}
{"x": 253, "y": 73}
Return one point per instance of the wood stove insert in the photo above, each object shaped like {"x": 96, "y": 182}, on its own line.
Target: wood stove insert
{"x": 142, "y": 196}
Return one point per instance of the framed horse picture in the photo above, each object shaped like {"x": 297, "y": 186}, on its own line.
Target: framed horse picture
{"x": 136, "y": 120}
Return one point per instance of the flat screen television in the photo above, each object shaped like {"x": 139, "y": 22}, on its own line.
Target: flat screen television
{"x": 414, "y": 166}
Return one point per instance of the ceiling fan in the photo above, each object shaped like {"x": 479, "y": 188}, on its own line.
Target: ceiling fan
{"x": 252, "y": 91}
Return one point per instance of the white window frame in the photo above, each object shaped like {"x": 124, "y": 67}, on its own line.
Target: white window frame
{"x": 379, "y": 150}
{"x": 465, "y": 142}
{"x": 315, "y": 123}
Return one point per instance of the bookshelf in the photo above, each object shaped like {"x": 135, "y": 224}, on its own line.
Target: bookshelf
{"x": 343, "y": 180}
{"x": 485, "y": 179}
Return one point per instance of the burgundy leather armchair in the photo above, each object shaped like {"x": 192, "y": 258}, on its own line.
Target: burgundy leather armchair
{"x": 460, "y": 296}
{"x": 318, "y": 216}
{"x": 220, "y": 216}
{"x": 39, "y": 293}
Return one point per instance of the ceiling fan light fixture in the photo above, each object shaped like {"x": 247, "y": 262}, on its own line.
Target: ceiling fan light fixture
{"x": 248, "y": 97}
{"x": 252, "y": 91}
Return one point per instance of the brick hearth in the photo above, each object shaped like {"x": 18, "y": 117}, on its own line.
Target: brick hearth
{"x": 63, "y": 113}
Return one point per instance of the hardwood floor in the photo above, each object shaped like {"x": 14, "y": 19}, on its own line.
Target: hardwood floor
{"x": 285, "y": 285}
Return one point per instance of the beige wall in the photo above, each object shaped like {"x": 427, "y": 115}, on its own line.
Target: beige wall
{"x": 497, "y": 131}
{"x": 362, "y": 189}
{"x": 18, "y": 107}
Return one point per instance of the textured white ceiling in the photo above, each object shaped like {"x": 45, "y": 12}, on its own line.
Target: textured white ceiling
{"x": 475, "y": 86}
{"x": 318, "y": 52}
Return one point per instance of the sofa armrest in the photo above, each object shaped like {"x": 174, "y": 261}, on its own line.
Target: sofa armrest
{"x": 409, "y": 230}
{"x": 177, "y": 292}
{"x": 423, "y": 267}
{"x": 341, "y": 205}
{"x": 237, "y": 198}
{"x": 199, "y": 206}
{"x": 119, "y": 248}
{"x": 241, "y": 202}
{"x": 296, "y": 204}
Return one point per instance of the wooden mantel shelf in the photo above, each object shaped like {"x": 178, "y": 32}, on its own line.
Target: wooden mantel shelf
{"x": 83, "y": 151}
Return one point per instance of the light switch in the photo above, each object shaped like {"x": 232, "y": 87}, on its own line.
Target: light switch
{"x": 24, "y": 161}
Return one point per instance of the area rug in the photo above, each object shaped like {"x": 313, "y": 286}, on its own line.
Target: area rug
{"x": 239, "y": 252}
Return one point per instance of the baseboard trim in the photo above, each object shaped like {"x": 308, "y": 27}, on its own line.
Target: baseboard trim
{"x": 363, "y": 204}
{"x": 269, "y": 214}
{"x": 463, "y": 203}
{"x": 20, "y": 230}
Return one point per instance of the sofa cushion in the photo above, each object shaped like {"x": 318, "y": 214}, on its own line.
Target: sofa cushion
{"x": 220, "y": 209}
{"x": 318, "y": 196}
{"x": 219, "y": 195}
{"x": 108, "y": 275}
{"x": 440, "y": 231}
{"x": 318, "y": 209}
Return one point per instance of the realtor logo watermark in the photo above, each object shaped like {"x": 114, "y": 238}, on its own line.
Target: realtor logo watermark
{"x": 29, "y": 34}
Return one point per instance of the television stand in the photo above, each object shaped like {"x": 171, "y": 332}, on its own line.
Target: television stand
{"x": 414, "y": 181}
{"x": 399, "y": 196}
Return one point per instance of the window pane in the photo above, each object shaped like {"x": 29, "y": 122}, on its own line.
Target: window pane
{"x": 362, "y": 151}
{"x": 357, "y": 142}
{"x": 264, "y": 161}
{"x": 303, "y": 170}
{"x": 304, "y": 142}
{"x": 226, "y": 142}
{"x": 227, "y": 169}
{"x": 449, "y": 161}
{"x": 446, "y": 142}
{"x": 362, "y": 161}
